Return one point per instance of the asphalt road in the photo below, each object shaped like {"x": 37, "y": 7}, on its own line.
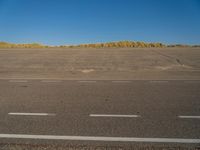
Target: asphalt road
{"x": 100, "y": 112}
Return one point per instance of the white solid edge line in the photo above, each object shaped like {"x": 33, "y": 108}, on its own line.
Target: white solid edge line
{"x": 189, "y": 117}
{"x": 31, "y": 114}
{"x": 113, "y": 115}
{"x": 99, "y": 138}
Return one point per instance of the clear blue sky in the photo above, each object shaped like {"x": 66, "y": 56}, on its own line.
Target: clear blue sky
{"x": 58, "y": 22}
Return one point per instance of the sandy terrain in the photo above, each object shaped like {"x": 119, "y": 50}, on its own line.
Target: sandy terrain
{"x": 102, "y": 64}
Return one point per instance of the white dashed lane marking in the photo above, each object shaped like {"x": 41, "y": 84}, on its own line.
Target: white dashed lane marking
{"x": 114, "y": 115}
{"x": 31, "y": 114}
{"x": 189, "y": 117}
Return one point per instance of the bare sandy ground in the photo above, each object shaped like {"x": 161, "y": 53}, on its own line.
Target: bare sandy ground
{"x": 101, "y": 64}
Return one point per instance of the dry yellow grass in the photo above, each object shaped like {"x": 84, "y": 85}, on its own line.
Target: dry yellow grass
{"x": 119, "y": 44}
{"x": 11, "y": 45}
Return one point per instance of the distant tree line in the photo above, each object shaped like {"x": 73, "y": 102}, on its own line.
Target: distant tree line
{"x": 120, "y": 44}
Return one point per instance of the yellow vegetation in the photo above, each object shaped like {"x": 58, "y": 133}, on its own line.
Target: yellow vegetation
{"x": 11, "y": 45}
{"x": 120, "y": 44}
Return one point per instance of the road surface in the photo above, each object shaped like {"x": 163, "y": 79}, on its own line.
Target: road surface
{"x": 100, "y": 112}
{"x": 100, "y": 98}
